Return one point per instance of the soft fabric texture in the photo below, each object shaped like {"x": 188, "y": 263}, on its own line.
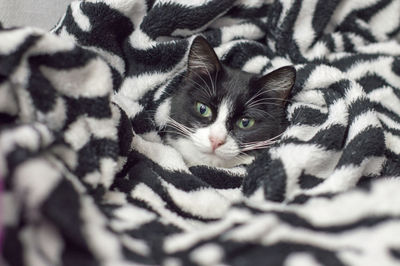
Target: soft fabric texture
{"x": 88, "y": 181}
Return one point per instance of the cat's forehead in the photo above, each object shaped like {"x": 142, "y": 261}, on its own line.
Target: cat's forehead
{"x": 235, "y": 82}
{"x": 232, "y": 85}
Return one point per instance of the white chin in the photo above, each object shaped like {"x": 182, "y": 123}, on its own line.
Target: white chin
{"x": 217, "y": 161}
{"x": 193, "y": 156}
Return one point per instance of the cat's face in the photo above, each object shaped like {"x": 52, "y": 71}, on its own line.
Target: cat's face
{"x": 221, "y": 115}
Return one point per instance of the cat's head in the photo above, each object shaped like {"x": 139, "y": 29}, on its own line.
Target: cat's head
{"x": 219, "y": 115}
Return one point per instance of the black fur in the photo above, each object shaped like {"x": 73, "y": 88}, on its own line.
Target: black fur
{"x": 237, "y": 86}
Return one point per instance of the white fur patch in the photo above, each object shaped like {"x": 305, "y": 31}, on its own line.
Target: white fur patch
{"x": 139, "y": 40}
{"x": 162, "y": 114}
{"x": 131, "y": 107}
{"x": 162, "y": 154}
{"x": 93, "y": 79}
{"x": 301, "y": 259}
{"x": 80, "y": 18}
{"x": 386, "y": 97}
{"x": 361, "y": 122}
{"x": 137, "y": 245}
{"x": 8, "y": 103}
{"x": 11, "y": 40}
{"x": 310, "y": 158}
{"x": 103, "y": 128}
{"x": 146, "y": 194}
{"x": 303, "y": 30}
{"x": 348, "y": 175}
{"x": 55, "y": 118}
{"x": 136, "y": 86}
{"x": 34, "y": 180}
{"x": 185, "y": 240}
{"x": 114, "y": 60}
{"x": 330, "y": 74}
{"x": 200, "y": 202}
{"x": 388, "y": 16}
{"x": 208, "y": 254}
{"x": 255, "y": 64}
{"x": 253, "y": 229}
{"x": 245, "y": 30}
{"x": 77, "y": 134}
{"x": 129, "y": 217}
{"x": 198, "y": 150}
{"x": 103, "y": 243}
{"x": 343, "y": 9}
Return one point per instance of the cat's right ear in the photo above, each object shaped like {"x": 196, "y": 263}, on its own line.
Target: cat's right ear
{"x": 202, "y": 59}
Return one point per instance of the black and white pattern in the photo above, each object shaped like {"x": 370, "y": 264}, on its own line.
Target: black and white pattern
{"x": 88, "y": 181}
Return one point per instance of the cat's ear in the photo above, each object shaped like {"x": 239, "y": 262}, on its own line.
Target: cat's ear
{"x": 278, "y": 83}
{"x": 202, "y": 58}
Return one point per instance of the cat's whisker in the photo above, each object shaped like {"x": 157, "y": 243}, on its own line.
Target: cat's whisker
{"x": 257, "y": 145}
{"x": 180, "y": 127}
{"x": 170, "y": 119}
{"x": 204, "y": 66}
{"x": 209, "y": 91}
{"x": 241, "y": 158}
{"x": 262, "y": 112}
{"x": 266, "y": 102}
{"x": 270, "y": 139}
{"x": 174, "y": 132}
{"x": 277, "y": 136}
{"x": 178, "y": 131}
{"x": 280, "y": 99}
{"x": 183, "y": 130}
{"x": 177, "y": 126}
{"x": 237, "y": 150}
{"x": 232, "y": 83}
{"x": 261, "y": 92}
{"x": 206, "y": 89}
{"x": 256, "y": 148}
{"x": 193, "y": 137}
{"x": 213, "y": 82}
{"x": 258, "y": 94}
{"x": 260, "y": 103}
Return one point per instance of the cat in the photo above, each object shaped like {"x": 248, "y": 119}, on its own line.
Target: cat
{"x": 222, "y": 116}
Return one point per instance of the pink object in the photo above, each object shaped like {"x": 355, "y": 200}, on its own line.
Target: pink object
{"x": 216, "y": 142}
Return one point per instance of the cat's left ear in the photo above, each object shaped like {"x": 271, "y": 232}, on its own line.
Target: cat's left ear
{"x": 278, "y": 83}
{"x": 202, "y": 58}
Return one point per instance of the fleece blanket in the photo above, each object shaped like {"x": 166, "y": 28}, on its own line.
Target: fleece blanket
{"x": 88, "y": 181}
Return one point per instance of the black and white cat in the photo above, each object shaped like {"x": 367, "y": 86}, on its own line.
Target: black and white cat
{"x": 220, "y": 116}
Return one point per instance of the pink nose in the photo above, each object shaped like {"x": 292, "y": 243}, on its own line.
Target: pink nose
{"x": 216, "y": 142}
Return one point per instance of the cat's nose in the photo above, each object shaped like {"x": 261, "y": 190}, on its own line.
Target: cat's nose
{"x": 216, "y": 142}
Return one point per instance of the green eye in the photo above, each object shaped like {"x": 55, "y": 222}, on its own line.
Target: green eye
{"x": 203, "y": 109}
{"x": 245, "y": 122}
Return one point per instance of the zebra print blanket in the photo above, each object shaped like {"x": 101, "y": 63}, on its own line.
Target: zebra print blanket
{"x": 87, "y": 180}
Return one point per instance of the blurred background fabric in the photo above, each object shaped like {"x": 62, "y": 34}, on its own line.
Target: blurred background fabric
{"x": 36, "y": 13}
